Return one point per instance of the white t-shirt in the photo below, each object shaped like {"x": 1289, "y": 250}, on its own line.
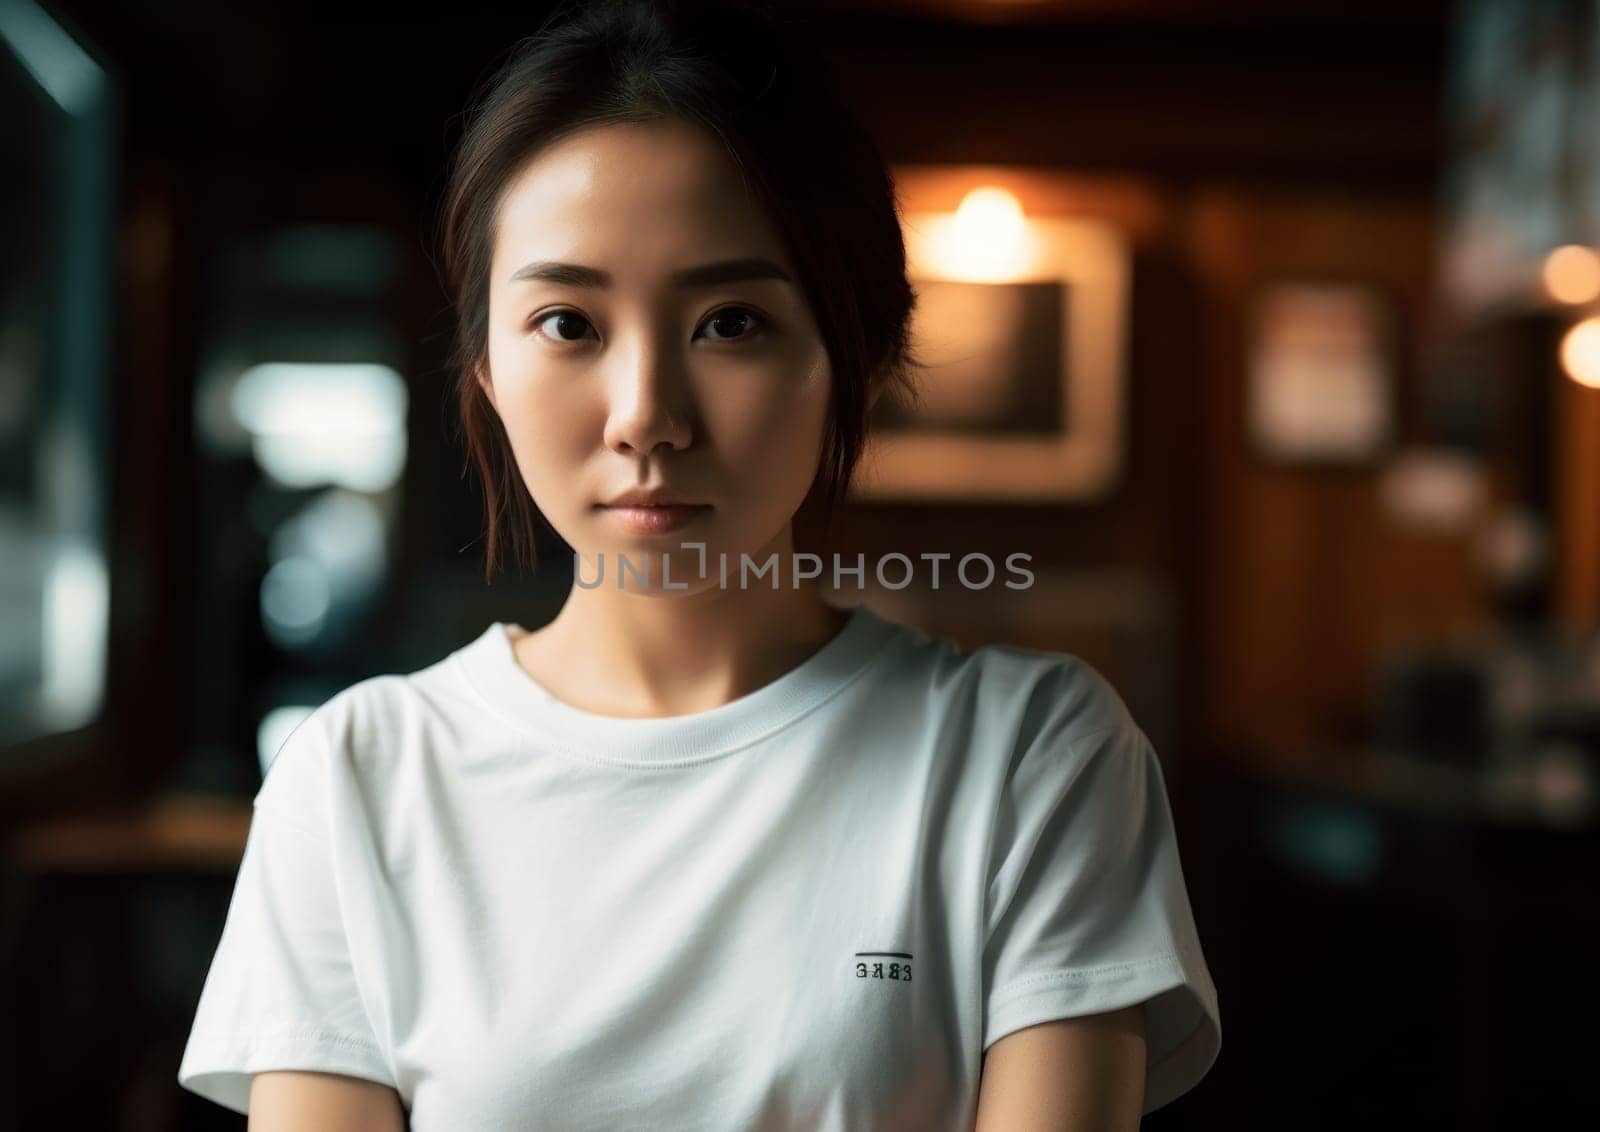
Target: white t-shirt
{"x": 811, "y": 908}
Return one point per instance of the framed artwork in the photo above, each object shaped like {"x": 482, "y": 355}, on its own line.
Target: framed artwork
{"x": 1021, "y": 321}
{"x": 1320, "y": 372}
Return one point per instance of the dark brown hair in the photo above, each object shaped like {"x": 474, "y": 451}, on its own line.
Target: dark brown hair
{"x": 756, "y": 82}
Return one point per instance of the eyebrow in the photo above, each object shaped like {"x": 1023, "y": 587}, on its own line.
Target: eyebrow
{"x": 706, "y": 275}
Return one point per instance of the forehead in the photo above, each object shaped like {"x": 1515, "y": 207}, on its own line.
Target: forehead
{"x": 629, "y": 195}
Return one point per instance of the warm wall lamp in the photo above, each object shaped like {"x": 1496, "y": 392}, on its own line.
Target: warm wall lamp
{"x": 1022, "y": 320}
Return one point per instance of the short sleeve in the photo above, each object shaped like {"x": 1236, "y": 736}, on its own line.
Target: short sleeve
{"x": 1087, "y": 908}
{"x": 281, "y": 992}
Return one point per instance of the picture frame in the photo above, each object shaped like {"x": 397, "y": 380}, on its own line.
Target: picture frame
{"x": 1321, "y": 363}
{"x": 1024, "y": 394}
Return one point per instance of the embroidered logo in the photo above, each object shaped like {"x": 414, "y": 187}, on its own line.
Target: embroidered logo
{"x": 872, "y": 965}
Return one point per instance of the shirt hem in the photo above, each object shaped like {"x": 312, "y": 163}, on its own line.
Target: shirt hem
{"x": 219, "y": 1066}
{"x": 1182, "y": 1040}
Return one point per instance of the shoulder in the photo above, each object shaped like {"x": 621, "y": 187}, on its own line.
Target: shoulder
{"x": 391, "y": 711}
{"x": 335, "y": 740}
{"x": 357, "y": 741}
{"x": 1021, "y": 694}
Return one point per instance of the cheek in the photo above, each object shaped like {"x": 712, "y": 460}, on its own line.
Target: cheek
{"x": 552, "y": 424}
{"x": 770, "y": 435}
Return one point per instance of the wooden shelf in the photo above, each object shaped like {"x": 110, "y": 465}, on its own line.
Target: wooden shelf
{"x": 192, "y": 833}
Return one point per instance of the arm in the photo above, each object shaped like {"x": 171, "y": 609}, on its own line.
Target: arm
{"x": 281, "y": 1101}
{"x": 1071, "y": 1075}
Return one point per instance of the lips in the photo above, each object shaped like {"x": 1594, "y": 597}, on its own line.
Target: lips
{"x": 658, "y": 495}
{"x": 656, "y": 518}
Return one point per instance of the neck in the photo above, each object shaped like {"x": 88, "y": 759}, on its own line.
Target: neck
{"x": 629, "y": 653}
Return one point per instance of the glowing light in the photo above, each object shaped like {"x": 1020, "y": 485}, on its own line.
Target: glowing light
{"x": 987, "y": 237}
{"x": 1580, "y": 352}
{"x": 295, "y": 600}
{"x": 329, "y": 562}
{"x": 77, "y": 599}
{"x": 1572, "y": 274}
{"x": 62, "y": 69}
{"x": 316, "y": 424}
{"x": 990, "y": 216}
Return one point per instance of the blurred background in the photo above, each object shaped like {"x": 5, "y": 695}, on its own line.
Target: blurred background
{"x": 1300, "y": 423}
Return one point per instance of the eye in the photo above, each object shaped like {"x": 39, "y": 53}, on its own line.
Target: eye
{"x": 564, "y": 322}
{"x": 731, "y": 324}
{"x": 734, "y": 324}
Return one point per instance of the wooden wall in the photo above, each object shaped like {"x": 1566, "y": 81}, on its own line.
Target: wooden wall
{"x": 1303, "y": 581}
{"x": 1229, "y": 153}
{"x": 1578, "y": 506}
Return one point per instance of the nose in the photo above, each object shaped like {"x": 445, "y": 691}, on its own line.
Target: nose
{"x": 650, "y": 404}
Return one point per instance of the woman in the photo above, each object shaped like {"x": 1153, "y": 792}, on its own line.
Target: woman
{"x": 703, "y": 852}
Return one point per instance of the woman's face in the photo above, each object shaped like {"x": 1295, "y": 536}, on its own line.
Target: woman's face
{"x": 647, "y": 331}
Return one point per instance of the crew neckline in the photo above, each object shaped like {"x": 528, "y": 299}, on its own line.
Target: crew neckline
{"x": 489, "y": 666}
